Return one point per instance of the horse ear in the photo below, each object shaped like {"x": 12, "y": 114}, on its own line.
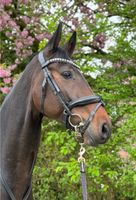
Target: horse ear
{"x": 54, "y": 41}
{"x": 70, "y": 46}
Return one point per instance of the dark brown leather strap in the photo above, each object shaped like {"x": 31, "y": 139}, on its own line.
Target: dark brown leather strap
{"x": 85, "y": 101}
{"x": 83, "y": 180}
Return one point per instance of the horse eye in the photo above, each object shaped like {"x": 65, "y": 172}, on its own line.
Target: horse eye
{"x": 67, "y": 74}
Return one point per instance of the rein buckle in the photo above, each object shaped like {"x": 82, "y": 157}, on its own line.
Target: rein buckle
{"x": 81, "y": 153}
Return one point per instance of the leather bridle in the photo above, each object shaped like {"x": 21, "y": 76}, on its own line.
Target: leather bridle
{"x": 67, "y": 105}
{"x": 79, "y": 128}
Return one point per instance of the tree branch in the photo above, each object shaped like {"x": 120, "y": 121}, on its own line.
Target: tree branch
{"x": 95, "y": 48}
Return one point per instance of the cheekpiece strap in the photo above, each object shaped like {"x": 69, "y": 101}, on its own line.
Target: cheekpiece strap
{"x": 42, "y": 62}
{"x": 41, "y": 59}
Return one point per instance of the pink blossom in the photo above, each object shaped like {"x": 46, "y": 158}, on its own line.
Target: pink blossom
{"x": 40, "y": 36}
{"x": 12, "y": 67}
{"x": 5, "y": 2}
{"x": 7, "y": 80}
{"x": 26, "y": 53}
{"x": 26, "y": 19}
{"x": 19, "y": 44}
{"x": 34, "y": 19}
{"x": 4, "y": 19}
{"x": 30, "y": 40}
{"x": 24, "y": 33}
{"x": 24, "y": 1}
{"x": 4, "y": 73}
{"x": 48, "y": 36}
{"x": 5, "y": 90}
{"x": 5, "y": 16}
{"x": 12, "y": 24}
{"x": 0, "y": 21}
{"x": 18, "y": 53}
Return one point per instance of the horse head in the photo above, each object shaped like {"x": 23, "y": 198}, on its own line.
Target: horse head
{"x": 61, "y": 92}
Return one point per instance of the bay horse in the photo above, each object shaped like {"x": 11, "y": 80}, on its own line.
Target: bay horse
{"x": 51, "y": 86}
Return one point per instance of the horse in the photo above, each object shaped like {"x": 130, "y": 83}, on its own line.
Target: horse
{"x": 53, "y": 87}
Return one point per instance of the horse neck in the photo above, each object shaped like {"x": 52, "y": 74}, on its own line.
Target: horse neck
{"x": 20, "y": 134}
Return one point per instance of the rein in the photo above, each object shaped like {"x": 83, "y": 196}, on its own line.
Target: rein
{"x": 81, "y": 160}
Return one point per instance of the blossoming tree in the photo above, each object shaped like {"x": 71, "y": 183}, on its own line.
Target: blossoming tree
{"x": 21, "y": 31}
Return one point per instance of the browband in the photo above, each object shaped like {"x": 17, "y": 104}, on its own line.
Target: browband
{"x": 45, "y": 63}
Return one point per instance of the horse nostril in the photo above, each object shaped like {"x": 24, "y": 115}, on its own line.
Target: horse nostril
{"x": 105, "y": 132}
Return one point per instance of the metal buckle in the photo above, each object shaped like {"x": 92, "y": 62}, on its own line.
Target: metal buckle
{"x": 75, "y": 126}
{"x": 78, "y": 134}
{"x": 81, "y": 153}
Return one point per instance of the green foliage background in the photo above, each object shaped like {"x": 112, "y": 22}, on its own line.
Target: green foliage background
{"x": 110, "y": 174}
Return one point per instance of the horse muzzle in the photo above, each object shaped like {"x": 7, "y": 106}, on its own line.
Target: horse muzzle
{"x": 95, "y": 137}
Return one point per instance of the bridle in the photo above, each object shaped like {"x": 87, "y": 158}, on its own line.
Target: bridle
{"x": 79, "y": 128}
{"x": 67, "y": 105}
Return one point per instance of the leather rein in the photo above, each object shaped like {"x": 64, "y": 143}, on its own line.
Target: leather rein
{"x": 67, "y": 105}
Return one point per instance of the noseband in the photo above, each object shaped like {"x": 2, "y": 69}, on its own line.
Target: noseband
{"x": 67, "y": 105}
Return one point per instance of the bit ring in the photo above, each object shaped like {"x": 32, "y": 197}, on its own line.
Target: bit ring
{"x": 71, "y": 123}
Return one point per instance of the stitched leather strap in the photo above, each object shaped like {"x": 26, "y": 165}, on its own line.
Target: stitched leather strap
{"x": 83, "y": 180}
{"x": 85, "y": 101}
